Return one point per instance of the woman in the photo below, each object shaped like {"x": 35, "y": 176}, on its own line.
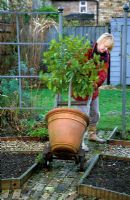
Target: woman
{"x": 102, "y": 47}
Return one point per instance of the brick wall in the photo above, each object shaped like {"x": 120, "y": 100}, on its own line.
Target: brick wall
{"x": 73, "y": 6}
{"x": 107, "y": 8}
{"x": 110, "y": 9}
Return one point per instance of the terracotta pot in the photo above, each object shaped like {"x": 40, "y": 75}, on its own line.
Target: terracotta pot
{"x": 66, "y": 127}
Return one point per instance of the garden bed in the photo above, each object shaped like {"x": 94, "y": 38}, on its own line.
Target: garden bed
{"x": 116, "y": 139}
{"x": 23, "y": 138}
{"x": 16, "y": 168}
{"x": 13, "y": 137}
{"x": 106, "y": 177}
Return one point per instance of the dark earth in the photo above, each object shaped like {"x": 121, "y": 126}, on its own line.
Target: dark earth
{"x": 110, "y": 174}
{"x": 118, "y": 136}
{"x": 7, "y": 135}
{"x": 14, "y": 165}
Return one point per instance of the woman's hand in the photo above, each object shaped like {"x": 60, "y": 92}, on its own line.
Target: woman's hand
{"x": 95, "y": 86}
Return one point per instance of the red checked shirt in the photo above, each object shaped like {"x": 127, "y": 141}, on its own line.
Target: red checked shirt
{"x": 102, "y": 74}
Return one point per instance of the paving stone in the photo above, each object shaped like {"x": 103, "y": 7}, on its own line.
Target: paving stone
{"x": 54, "y": 182}
{"x": 45, "y": 196}
{"x": 25, "y": 198}
{"x": 63, "y": 197}
{"x": 68, "y": 181}
{"x": 39, "y": 187}
{"x": 16, "y": 194}
{"x": 26, "y": 192}
{"x": 4, "y": 194}
{"x": 36, "y": 195}
{"x": 49, "y": 189}
{"x": 61, "y": 188}
{"x": 72, "y": 196}
{"x": 54, "y": 196}
{"x": 62, "y": 174}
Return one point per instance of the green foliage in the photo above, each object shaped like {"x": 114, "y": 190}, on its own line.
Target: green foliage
{"x": 67, "y": 60}
{"x": 9, "y": 92}
{"x": 23, "y": 5}
{"x": 39, "y": 158}
{"x": 9, "y": 97}
{"x": 49, "y": 9}
{"x": 128, "y": 137}
{"x": 26, "y": 18}
{"x": 39, "y": 132}
{"x": 3, "y": 5}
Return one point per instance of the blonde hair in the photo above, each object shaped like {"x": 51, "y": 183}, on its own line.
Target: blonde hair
{"x": 106, "y": 37}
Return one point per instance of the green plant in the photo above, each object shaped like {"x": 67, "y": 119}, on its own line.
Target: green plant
{"x": 3, "y": 5}
{"x": 67, "y": 59}
{"x": 20, "y": 5}
{"x": 39, "y": 158}
{"x": 53, "y": 16}
{"x": 39, "y": 132}
{"x": 9, "y": 97}
{"x": 128, "y": 137}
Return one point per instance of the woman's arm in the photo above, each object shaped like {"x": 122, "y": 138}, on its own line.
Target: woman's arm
{"x": 102, "y": 74}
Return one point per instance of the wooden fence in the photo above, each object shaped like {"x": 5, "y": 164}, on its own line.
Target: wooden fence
{"x": 89, "y": 32}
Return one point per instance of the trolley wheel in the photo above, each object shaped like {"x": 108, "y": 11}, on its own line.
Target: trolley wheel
{"x": 77, "y": 159}
{"x": 47, "y": 159}
{"x": 82, "y": 161}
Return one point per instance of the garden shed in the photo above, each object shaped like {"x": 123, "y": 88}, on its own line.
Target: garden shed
{"x": 117, "y": 26}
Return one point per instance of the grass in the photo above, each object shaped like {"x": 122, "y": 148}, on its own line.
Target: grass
{"x": 42, "y": 98}
{"x": 110, "y": 101}
{"x": 111, "y": 109}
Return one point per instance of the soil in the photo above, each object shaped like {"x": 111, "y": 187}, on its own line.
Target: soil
{"x": 110, "y": 174}
{"x": 14, "y": 165}
{"x": 119, "y": 137}
{"x": 7, "y": 135}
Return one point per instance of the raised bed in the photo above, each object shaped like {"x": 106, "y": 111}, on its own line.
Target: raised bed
{"x": 23, "y": 138}
{"x": 115, "y": 139}
{"x": 16, "y": 169}
{"x": 106, "y": 177}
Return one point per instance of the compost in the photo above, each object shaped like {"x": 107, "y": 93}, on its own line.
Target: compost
{"x": 110, "y": 174}
{"x": 14, "y": 165}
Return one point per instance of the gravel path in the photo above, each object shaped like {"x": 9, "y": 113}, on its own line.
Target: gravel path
{"x": 15, "y": 146}
{"x": 117, "y": 150}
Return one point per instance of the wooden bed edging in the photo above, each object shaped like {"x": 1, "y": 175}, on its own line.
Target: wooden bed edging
{"x": 92, "y": 191}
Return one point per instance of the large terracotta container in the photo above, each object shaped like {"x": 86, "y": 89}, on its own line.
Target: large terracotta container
{"x": 66, "y": 127}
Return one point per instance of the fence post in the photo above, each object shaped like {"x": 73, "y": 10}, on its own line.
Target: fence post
{"x": 19, "y": 61}
{"x": 124, "y": 53}
{"x": 60, "y": 10}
